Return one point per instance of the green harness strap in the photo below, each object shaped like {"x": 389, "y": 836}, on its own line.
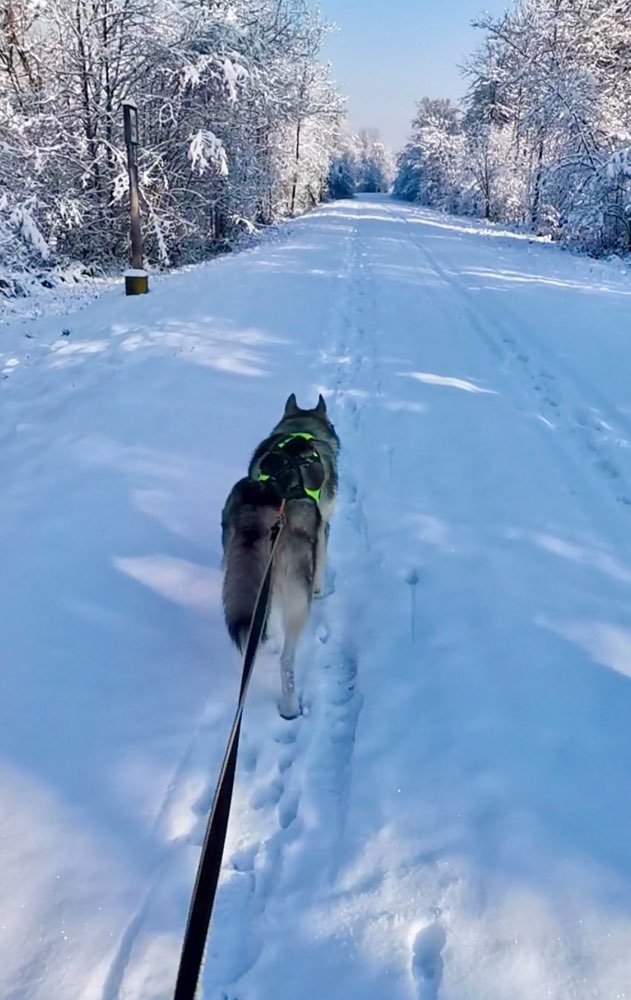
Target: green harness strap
{"x": 314, "y": 494}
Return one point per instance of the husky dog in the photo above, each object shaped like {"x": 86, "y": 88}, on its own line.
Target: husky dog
{"x": 297, "y": 464}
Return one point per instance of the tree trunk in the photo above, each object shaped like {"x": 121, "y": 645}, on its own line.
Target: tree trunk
{"x": 294, "y": 187}
{"x": 536, "y": 199}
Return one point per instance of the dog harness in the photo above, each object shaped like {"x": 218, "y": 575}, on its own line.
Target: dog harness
{"x": 285, "y": 468}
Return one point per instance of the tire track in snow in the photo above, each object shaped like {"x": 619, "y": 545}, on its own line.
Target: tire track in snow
{"x": 428, "y": 943}
{"x": 541, "y": 385}
{"x": 351, "y": 358}
{"x": 593, "y": 423}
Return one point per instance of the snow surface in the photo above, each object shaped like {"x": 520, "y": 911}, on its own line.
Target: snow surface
{"x": 450, "y": 818}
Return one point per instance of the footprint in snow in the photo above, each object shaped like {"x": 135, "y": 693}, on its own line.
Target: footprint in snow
{"x": 285, "y": 760}
{"x": 267, "y": 796}
{"x": 286, "y": 732}
{"x": 323, "y": 633}
{"x": 288, "y": 749}
{"x": 342, "y": 693}
{"x": 427, "y": 961}
{"x": 243, "y": 859}
{"x": 288, "y": 810}
{"x": 249, "y": 758}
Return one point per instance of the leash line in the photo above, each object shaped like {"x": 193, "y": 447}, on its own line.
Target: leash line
{"x": 209, "y": 867}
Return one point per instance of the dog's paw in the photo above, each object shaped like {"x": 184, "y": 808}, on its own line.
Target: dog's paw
{"x": 325, "y": 591}
{"x": 289, "y": 708}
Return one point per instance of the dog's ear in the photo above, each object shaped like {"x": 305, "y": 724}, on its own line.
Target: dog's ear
{"x": 321, "y": 407}
{"x": 291, "y": 406}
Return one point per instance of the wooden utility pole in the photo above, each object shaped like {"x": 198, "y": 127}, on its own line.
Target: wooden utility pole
{"x": 136, "y": 278}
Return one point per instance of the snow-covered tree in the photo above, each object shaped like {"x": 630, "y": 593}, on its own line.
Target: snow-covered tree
{"x": 360, "y": 162}
{"x": 430, "y": 167}
{"x": 375, "y": 162}
{"x": 549, "y": 103}
{"x": 343, "y": 165}
{"x": 237, "y": 118}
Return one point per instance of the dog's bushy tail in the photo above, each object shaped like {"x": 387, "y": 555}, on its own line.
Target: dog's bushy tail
{"x": 245, "y": 565}
{"x": 247, "y": 520}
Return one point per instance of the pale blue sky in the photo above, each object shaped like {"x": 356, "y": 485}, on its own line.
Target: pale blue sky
{"x": 389, "y": 53}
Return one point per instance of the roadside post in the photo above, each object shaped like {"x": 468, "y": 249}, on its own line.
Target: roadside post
{"x": 136, "y": 278}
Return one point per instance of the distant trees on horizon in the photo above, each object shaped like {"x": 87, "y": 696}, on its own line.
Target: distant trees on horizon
{"x": 543, "y": 137}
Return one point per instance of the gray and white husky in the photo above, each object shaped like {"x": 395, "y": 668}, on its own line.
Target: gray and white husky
{"x": 297, "y": 463}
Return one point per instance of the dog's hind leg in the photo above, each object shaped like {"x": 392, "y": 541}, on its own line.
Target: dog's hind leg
{"x": 294, "y": 619}
{"x": 320, "y": 565}
{"x": 320, "y": 559}
{"x": 289, "y": 707}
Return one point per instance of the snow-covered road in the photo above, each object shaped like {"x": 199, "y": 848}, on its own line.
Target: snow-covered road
{"x": 450, "y": 818}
